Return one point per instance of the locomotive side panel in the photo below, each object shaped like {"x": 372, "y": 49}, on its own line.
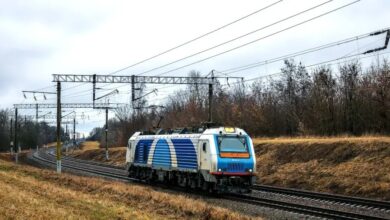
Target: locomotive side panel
{"x": 186, "y": 154}
{"x": 141, "y": 153}
{"x": 207, "y": 157}
{"x": 161, "y": 157}
{"x": 166, "y": 152}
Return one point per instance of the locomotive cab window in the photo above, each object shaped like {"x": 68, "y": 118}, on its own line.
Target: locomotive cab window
{"x": 204, "y": 147}
{"x": 233, "y": 146}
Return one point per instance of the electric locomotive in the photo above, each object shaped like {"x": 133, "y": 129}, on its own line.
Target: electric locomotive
{"x": 219, "y": 159}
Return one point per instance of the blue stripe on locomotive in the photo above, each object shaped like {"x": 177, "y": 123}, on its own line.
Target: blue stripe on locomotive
{"x": 185, "y": 153}
{"x": 142, "y": 151}
{"x": 162, "y": 155}
{"x": 184, "y": 148}
{"x": 234, "y": 164}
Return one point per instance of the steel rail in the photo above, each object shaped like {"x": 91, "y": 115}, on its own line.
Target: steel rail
{"x": 298, "y": 208}
{"x": 70, "y": 158}
{"x": 85, "y": 169}
{"x": 324, "y": 196}
{"x": 98, "y": 168}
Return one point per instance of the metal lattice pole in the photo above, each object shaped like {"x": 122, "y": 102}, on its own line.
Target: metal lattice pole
{"x": 10, "y": 138}
{"x": 58, "y": 127}
{"x": 106, "y": 131}
{"x": 16, "y": 135}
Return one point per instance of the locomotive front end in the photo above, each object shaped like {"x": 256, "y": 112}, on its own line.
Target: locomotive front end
{"x": 235, "y": 161}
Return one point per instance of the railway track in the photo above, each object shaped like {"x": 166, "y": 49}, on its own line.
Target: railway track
{"x": 99, "y": 170}
{"x": 118, "y": 173}
{"x": 69, "y": 158}
{"x": 302, "y": 209}
{"x": 325, "y": 196}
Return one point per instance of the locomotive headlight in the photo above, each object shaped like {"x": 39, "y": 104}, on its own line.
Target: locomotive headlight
{"x": 219, "y": 170}
{"x": 250, "y": 170}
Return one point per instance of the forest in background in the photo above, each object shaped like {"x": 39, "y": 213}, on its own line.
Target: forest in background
{"x": 347, "y": 100}
{"x": 30, "y": 134}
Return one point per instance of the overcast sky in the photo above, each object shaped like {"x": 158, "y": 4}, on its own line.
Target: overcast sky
{"x": 41, "y": 38}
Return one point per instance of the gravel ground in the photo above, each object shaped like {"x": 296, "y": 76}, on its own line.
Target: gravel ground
{"x": 257, "y": 211}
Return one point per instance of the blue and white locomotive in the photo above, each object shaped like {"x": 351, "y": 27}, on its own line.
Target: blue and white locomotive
{"x": 218, "y": 159}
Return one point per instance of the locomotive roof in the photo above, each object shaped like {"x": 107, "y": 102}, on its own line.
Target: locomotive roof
{"x": 190, "y": 133}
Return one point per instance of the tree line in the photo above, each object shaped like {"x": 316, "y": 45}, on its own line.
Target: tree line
{"x": 30, "y": 133}
{"x": 325, "y": 101}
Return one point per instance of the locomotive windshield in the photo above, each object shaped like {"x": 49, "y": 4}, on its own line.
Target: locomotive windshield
{"x": 232, "y": 144}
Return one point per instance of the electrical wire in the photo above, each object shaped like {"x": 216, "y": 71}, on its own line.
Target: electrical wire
{"x": 310, "y": 50}
{"x": 256, "y": 64}
{"x": 314, "y": 65}
{"x": 267, "y": 35}
{"x": 237, "y": 38}
{"x": 303, "y": 52}
{"x": 258, "y": 39}
{"x": 197, "y": 38}
{"x": 285, "y": 29}
{"x": 248, "y": 43}
{"x": 345, "y": 56}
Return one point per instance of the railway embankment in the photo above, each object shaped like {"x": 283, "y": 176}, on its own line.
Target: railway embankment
{"x": 91, "y": 150}
{"x": 355, "y": 166}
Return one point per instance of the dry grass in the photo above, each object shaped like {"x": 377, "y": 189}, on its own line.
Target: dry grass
{"x": 8, "y": 157}
{"x": 5, "y": 156}
{"x": 90, "y": 145}
{"x": 313, "y": 139}
{"x": 30, "y": 193}
{"x": 358, "y": 166}
{"x": 91, "y": 151}
{"x": 52, "y": 144}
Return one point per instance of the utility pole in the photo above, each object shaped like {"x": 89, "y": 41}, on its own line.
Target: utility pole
{"x": 74, "y": 132}
{"x": 16, "y": 135}
{"x": 10, "y": 138}
{"x": 17, "y": 152}
{"x": 211, "y": 92}
{"x": 36, "y": 118}
{"x": 132, "y": 90}
{"x": 94, "y": 89}
{"x": 106, "y": 131}
{"x": 36, "y": 112}
{"x": 66, "y": 138}
{"x": 58, "y": 127}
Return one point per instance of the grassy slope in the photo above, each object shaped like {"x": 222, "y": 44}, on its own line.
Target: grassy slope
{"x": 357, "y": 166}
{"x": 28, "y": 192}
{"x": 353, "y": 166}
{"x": 91, "y": 151}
